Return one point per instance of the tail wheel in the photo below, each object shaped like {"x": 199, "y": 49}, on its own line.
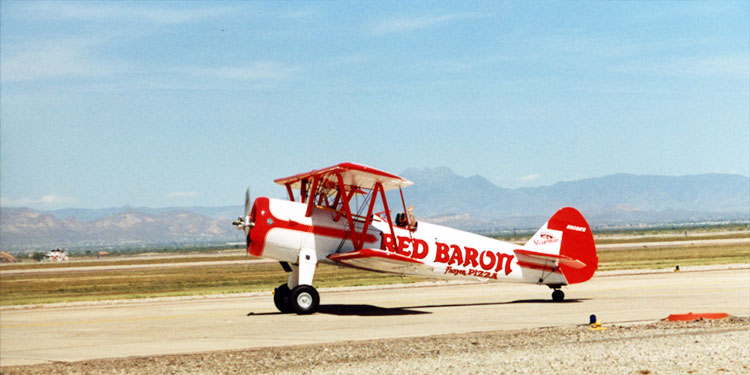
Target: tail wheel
{"x": 303, "y": 299}
{"x": 280, "y": 298}
{"x": 558, "y": 295}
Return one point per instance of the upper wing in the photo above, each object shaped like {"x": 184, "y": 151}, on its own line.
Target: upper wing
{"x": 354, "y": 176}
{"x": 382, "y": 261}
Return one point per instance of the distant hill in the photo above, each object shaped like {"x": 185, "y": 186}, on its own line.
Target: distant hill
{"x": 439, "y": 196}
{"x": 620, "y": 199}
{"x": 84, "y": 214}
{"x": 22, "y": 228}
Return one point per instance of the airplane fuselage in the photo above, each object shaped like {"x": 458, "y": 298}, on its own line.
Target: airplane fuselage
{"x": 325, "y": 223}
{"x": 283, "y": 231}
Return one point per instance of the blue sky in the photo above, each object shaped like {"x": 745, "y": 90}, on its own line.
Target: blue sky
{"x": 185, "y": 103}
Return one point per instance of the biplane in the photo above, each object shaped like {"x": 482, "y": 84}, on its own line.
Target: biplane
{"x": 341, "y": 215}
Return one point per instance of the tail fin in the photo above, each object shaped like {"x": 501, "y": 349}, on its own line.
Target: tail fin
{"x": 567, "y": 235}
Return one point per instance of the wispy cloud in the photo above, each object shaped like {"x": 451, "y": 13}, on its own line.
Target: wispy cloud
{"x": 76, "y": 56}
{"x": 300, "y": 14}
{"x": 356, "y": 58}
{"x": 404, "y": 24}
{"x": 579, "y": 43}
{"x": 256, "y": 71}
{"x": 688, "y": 57}
{"x": 730, "y": 66}
{"x": 182, "y": 195}
{"x": 460, "y": 65}
{"x": 125, "y": 11}
{"x": 54, "y": 59}
{"x": 48, "y": 200}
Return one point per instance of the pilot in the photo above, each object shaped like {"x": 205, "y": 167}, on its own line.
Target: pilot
{"x": 401, "y": 219}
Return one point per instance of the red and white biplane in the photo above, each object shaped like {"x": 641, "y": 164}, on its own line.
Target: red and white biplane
{"x": 334, "y": 220}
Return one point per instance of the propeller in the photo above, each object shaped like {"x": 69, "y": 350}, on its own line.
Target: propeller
{"x": 243, "y": 223}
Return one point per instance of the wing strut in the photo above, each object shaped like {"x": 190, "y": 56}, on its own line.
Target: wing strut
{"x": 342, "y": 182}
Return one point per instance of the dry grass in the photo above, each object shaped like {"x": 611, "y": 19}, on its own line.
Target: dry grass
{"x": 656, "y": 258}
{"x": 657, "y": 235}
{"x": 169, "y": 281}
{"x": 47, "y": 287}
{"x": 125, "y": 261}
{"x": 672, "y": 237}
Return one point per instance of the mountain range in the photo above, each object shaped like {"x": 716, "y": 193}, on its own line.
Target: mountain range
{"x": 439, "y": 196}
{"x": 621, "y": 199}
{"x": 26, "y": 229}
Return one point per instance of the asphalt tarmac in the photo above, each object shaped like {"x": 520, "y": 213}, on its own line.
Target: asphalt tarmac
{"x": 168, "y": 326}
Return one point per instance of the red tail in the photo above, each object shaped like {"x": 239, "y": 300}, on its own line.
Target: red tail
{"x": 577, "y": 243}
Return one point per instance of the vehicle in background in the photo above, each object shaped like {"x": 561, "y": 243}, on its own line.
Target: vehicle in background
{"x": 55, "y": 255}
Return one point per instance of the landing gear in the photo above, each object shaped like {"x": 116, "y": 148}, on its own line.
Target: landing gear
{"x": 280, "y": 298}
{"x": 558, "y": 295}
{"x": 304, "y": 299}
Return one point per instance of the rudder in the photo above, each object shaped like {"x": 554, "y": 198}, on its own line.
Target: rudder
{"x": 567, "y": 234}
{"x": 577, "y": 243}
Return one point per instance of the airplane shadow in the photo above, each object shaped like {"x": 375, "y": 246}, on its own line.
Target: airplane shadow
{"x": 496, "y": 303}
{"x": 371, "y": 310}
{"x": 367, "y": 310}
{"x": 355, "y": 310}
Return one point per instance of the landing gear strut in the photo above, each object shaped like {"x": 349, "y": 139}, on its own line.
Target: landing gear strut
{"x": 558, "y": 295}
{"x": 302, "y": 298}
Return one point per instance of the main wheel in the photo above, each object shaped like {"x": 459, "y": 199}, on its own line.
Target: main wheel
{"x": 303, "y": 299}
{"x": 558, "y": 295}
{"x": 280, "y": 298}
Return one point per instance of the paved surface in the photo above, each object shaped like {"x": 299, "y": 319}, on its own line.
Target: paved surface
{"x": 38, "y": 335}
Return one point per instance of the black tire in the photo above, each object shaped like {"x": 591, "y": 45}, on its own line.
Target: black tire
{"x": 303, "y": 299}
{"x": 280, "y": 297}
{"x": 558, "y": 295}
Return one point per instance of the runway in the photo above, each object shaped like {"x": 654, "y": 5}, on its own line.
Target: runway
{"x": 80, "y": 332}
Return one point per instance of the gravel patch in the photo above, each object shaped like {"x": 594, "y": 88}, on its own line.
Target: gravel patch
{"x": 700, "y": 347}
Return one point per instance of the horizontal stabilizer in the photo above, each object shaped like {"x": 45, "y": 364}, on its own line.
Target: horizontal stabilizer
{"x": 381, "y": 260}
{"x": 533, "y": 259}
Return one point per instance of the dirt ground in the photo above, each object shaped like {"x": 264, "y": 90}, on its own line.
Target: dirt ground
{"x": 700, "y": 347}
